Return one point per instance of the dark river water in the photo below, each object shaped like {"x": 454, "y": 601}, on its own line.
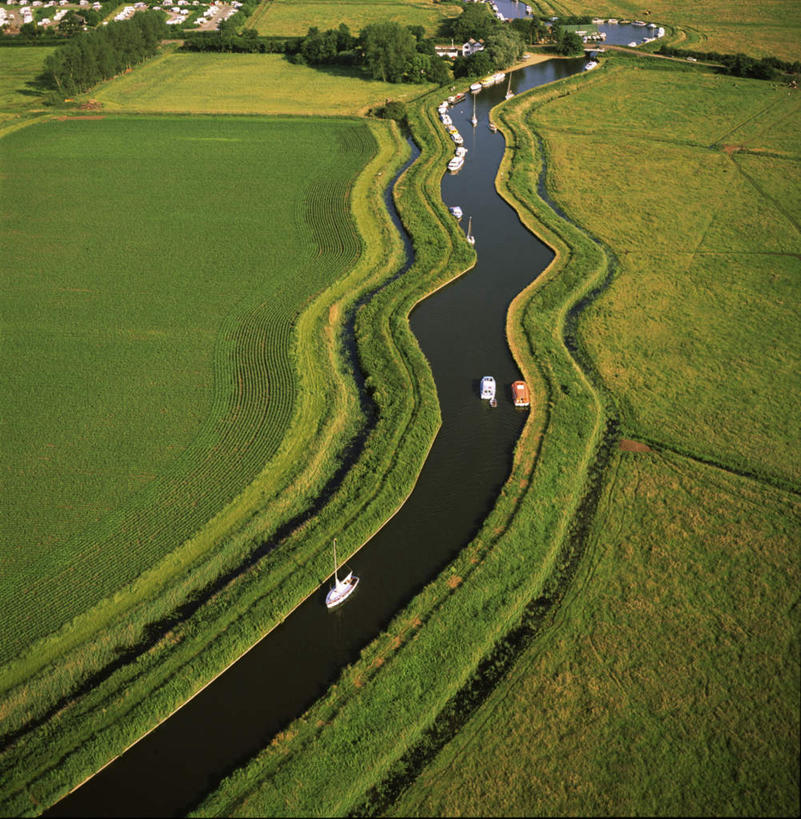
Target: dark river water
{"x": 461, "y": 330}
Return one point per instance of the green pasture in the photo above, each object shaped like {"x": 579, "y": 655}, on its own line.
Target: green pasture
{"x": 19, "y": 68}
{"x": 698, "y": 335}
{"x": 764, "y": 29}
{"x": 246, "y": 84}
{"x": 296, "y": 17}
{"x": 667, "y": 684}
{"x": 148, "y": 346}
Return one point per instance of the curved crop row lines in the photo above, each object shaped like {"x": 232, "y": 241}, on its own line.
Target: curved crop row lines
{"x": 251, "y": 408}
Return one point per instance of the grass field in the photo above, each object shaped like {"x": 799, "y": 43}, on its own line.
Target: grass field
{"x": 246, "y": 84}
{"x": 295, "y": 17}
{"x": 668, "y": 684}
{"x": 764, "y": 29}
{"x": 19, "y": 68}
{"x": 148, "y": 362}
{"x": 699, "y": 336}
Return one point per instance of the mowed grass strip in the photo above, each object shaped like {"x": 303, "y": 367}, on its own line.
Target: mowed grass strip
{"x": 698, "y": 335}
{"x": 246, "y": 84}
{"x": 764, "y": 29}
{"x": 668, "y": 682}
{"x": 296, "y": 17}
{"x": 149, "y": 369}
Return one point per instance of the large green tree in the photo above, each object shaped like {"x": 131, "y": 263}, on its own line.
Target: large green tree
{"x": 388, "y": 50}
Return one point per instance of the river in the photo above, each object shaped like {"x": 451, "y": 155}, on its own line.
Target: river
{"x": 461, "y": 329}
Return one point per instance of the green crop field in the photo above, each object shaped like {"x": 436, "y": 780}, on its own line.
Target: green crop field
{"x": 764, "y": 29}
{"x": 294, "y": 17}
{"x": 668, "y": 684}
{"x": 245, "y": 84}
{"x": 148, "y": 353}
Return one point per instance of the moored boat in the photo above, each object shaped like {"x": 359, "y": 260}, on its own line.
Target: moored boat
{"x": 487, "y": 388}
{"x": 475, "y": 87}
{"x": 520, "y": 394}
{"x": 456, "y": 211}
{"x": 455, "y": 163}
{"x": 342, "y": 589}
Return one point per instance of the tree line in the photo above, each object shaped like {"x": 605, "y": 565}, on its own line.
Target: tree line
{"x": 739, "y": 65}
{"x": 104, "y": 52}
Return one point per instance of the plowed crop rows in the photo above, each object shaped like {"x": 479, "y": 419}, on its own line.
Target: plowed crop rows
{"x": 213, "y": 264}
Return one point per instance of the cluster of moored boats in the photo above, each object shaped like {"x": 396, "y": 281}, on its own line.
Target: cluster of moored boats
{"x": 520, "y": 393}
{"x": 457, "y": 161}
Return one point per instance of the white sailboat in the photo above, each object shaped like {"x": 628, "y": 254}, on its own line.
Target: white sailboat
{"x": 342, "y": 589}
{"x": 509, "y": 92}
{"x": 474, "y": 120}
{"x": 470, "y": 238}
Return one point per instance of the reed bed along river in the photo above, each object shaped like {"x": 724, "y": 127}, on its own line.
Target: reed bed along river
{"x": 461, "y": 329}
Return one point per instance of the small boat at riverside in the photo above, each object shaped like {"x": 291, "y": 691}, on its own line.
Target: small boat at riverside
{"x": 487, "y": 82}
{"x": 457, "y": 137}
{"x": 457, "y": 98}
{"x": 487, "y": 388}
{"x": 509, "y": 92}
{"x": 461, "y": 151}
{"x": 499, "y": 77}
{"x": 342, "y": 589}
{"x": 588, "y": 66}
{"x": 475, "y": 87}
{"x": 520, "y": 394}
{"x": 446, "y": 120}
{"x": 456, "y": 211}
{"x": 493, "y": 127}
{"x": 470, "y": 238}
{"x": 455, "y": 164}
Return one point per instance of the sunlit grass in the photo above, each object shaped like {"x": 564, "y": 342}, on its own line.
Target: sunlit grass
{"x": 668, "y": 684}
{"x": 246, "y": 83}
{"x": 295, "y": 17}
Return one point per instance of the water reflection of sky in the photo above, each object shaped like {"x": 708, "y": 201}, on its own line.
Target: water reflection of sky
{"x": 511, "y": 9}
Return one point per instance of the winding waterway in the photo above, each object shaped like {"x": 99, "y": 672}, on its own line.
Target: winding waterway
{"x": 461, "y": 330}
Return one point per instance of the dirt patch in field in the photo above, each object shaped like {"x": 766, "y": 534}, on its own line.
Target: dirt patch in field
{"x": 627, "y": 445}
{"x": 732, "y": 149}
{"x": 82, "y": 116}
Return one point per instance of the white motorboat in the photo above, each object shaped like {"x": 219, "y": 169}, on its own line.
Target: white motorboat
{"x": 342, "y": 589}
{"x": 455, "y": 164}
{"x": 457, "y": 138}
{"x": 456, "y": 211}
{"x": 475, "y": 87}
{"x": 487, "y": 388}
{"x": 590, "y": 65}
{"x": 470, "y": 238}
{"x": 461, "y": 151}
{"x": 446, "y": 120}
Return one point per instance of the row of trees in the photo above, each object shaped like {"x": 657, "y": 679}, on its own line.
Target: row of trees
{"x": 390, "y": 52}
{"x": 102, "y": 53}
{"x": 739, "y": 65}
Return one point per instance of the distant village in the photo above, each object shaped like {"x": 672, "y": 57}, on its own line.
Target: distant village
{"x": 207, "y": 16}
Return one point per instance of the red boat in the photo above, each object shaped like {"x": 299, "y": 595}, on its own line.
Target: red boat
{"x": 520, "y": 394}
